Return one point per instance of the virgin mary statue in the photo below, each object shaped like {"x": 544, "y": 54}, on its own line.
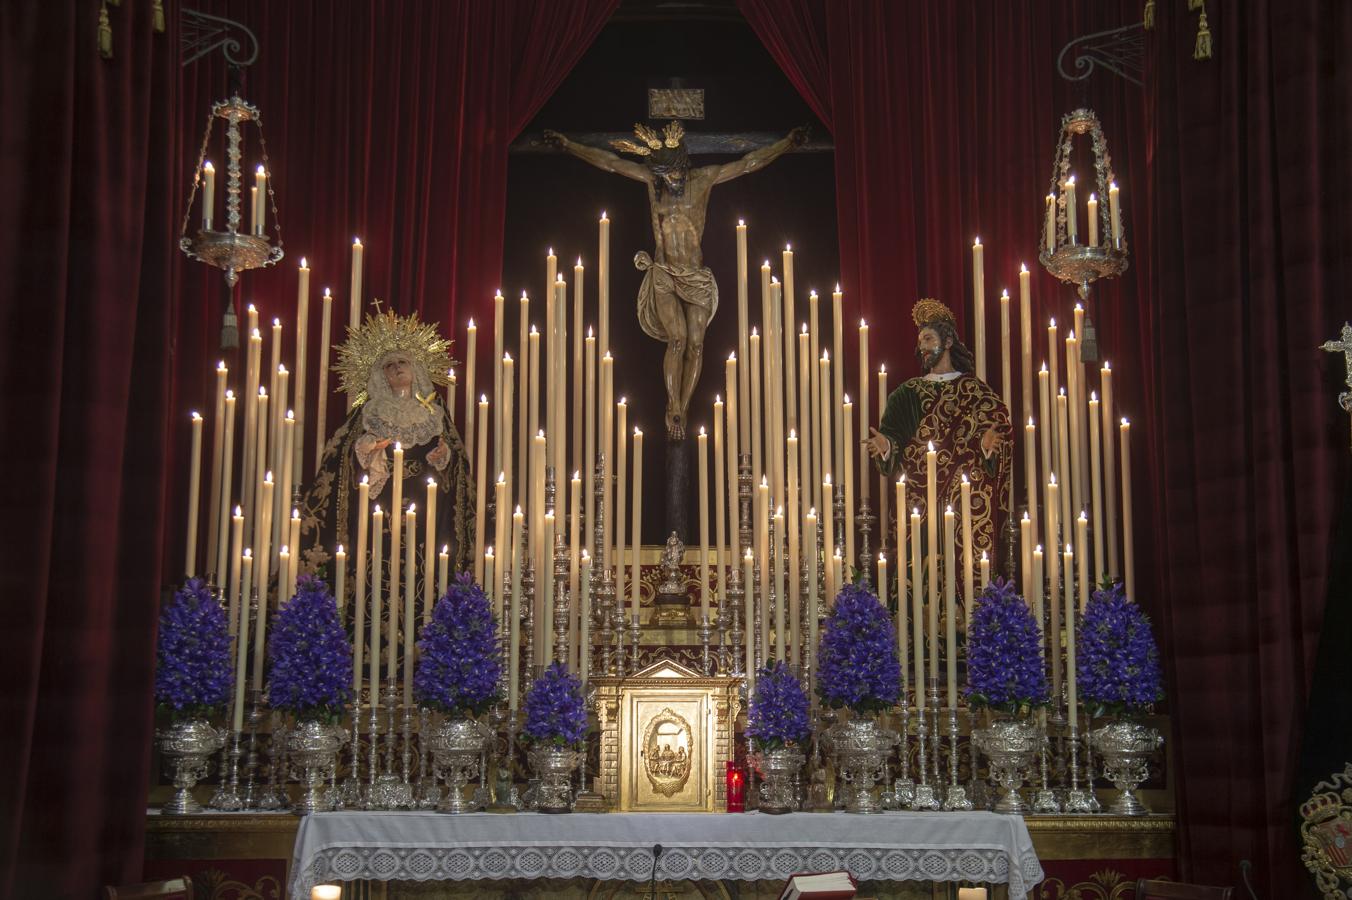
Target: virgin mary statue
{"x": 389, "y": 368}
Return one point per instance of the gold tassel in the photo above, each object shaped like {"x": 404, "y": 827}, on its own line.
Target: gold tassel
{"x": 1203, "y": 49}
{"x": 105, "y": 33}
{"x": 1194, "y": 5}
{"x": 157, "y": 10}
{"x": 1149, "y": 20}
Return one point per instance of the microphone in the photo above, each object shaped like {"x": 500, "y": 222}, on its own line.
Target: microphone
{"x": 652, "y": 881}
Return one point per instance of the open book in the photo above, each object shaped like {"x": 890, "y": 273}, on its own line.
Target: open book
{"x": 819, "y": 886}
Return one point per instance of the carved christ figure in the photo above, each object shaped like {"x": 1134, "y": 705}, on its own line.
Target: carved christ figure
{"x": 678, "y": 296}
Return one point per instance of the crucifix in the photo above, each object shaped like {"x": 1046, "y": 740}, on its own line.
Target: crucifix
{"x": 678, "y": 296}
{"x": 1344, "y": 346}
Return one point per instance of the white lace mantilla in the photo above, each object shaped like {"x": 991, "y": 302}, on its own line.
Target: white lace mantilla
{"x": 980, "y": 847}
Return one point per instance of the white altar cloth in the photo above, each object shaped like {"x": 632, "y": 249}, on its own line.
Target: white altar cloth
{"x": 896, "y": 846}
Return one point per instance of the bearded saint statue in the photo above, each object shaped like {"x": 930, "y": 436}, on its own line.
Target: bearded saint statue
{"x": 964, "y": 419}
{"x": 390, "y": 367}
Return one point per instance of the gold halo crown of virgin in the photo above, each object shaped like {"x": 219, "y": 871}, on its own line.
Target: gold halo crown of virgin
{"x": 378, "y": 335}
{"x": 672, "y": 136}
{"x": 931, "y": 310}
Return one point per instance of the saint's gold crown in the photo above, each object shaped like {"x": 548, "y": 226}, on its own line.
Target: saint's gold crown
{"x": 378, "y": 335}
{"x": 930, "y": 310}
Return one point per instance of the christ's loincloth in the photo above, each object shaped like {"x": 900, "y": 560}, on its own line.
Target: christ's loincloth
{"x": 693, "y": 286}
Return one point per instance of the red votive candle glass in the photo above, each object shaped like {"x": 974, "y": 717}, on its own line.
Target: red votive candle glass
{"x": 736, "y": 788}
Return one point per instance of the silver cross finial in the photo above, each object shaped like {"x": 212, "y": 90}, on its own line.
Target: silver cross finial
{"x": 1343, "y": 346}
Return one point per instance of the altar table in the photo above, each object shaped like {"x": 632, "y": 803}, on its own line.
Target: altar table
{"x": 980, "y": 847}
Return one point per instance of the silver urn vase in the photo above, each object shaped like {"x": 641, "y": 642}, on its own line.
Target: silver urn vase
{"x": 779, "y": 770}
{"x": 457, "y": 746}
{"x": 188, "y": 745}
{"x": 1126, "y": 747}
{"x": 554, "y": 767}
{"x": 312, "y": 747}
{"x": 1011, "y": 745}
{"x": 861, "y": 747}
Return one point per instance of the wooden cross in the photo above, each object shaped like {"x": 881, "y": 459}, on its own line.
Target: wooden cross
{"x": 1343, "y": 346}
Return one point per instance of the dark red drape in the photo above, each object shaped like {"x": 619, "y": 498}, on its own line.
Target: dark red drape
{"x": 1251, "y": 191}
{"x": 389, "y": 121}
{"x": 944, "y": 117}
{"x": 85, "y": 290}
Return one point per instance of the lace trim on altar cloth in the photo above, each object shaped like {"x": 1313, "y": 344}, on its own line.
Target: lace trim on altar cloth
{"x": 468, "y": 863}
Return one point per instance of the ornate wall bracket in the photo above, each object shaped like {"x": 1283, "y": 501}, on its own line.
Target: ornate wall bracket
{"x": 1119, "y": 50}
{"x": 201, "y": 34}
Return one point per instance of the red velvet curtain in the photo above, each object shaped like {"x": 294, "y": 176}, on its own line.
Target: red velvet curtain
{"x": 1251, "y": 190}
{"x": 944, "y": 118}
{"x": 88, "y": 160}
{"x": 389, "y": 121}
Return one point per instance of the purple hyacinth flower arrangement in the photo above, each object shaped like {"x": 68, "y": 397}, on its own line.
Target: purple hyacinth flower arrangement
{"x": 193, "y": 672}
{"x": 458, "y": 662}
{"x": 778, "y": 715}
{"x": 311, "y": 674}
{"x": 857, "y": 658}
{"x": 555, "y": 711}
{"x": 1005, "y": 669}
{"x": 1117, "y": 662}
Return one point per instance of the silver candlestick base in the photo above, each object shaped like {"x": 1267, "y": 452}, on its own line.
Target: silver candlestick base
{"x": 227, "y": 798}
{"x": 1094, "y": 805}
{"x": 1078, "y": 801}
{"x": 389, "y": 791}
{"x": 924, "y": 797}
{"x": 955, "y": 799}
{"x": 349, "y": 794}
{"x": 1045, "y": 801}
{"x": 253, "y": 719}
{"x": 904, "y": 790}
{"x": 428, "y": 792}
{"x": 274, "y": 794}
